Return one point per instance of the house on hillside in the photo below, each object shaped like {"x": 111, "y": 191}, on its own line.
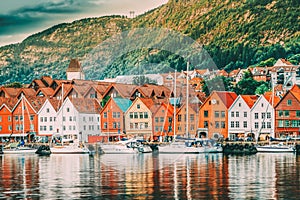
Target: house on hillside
{"x": 213, "y": 115}
{"x": 75, "y": 71}
{"x": 239, "y": 117}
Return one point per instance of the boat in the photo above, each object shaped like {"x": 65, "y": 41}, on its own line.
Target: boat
{"x": 190, "y": 146}
{"x": 131, "y": 146}
{"x": 43, "y": 150}
{"x": 276, "y": 148}
{"x": 187, "y": 145}
{"x": 17, "y": 148}
{"x": 70, "y": 147}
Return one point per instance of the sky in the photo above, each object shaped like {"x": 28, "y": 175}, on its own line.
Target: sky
{"x": 22, "y": 18}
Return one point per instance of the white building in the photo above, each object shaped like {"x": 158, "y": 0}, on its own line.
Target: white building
{"x": 47, "y": 122}
{"x": 74, "y": 71}
{"x": 263, "y": 115}
{"x": 78, "y": 118}
{"x": 239, "y": 116}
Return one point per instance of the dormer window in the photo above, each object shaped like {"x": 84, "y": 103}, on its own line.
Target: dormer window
{"x": 138, "y": 106}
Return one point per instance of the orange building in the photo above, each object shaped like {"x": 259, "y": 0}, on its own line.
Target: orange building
{"x": 6, "y": 120}
{"x": 213, "y": 115}
{"x": 287, "y": 114}
{"x": 29, "y": 126}
{"x": 187, "y": 118}
{"x": 112, "y": 116}
{"x": 163, "y": 120}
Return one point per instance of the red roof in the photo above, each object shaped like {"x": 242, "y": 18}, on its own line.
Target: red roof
{"x": 226, "y": 97}
{"x": 250, "y": 99}
{"x": 269, "y": 96}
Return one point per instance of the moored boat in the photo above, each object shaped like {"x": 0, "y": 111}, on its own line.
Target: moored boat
{"x": 43, "y": 150}
{"x": 276, "y": 148}
{"x": 16, "y": 148}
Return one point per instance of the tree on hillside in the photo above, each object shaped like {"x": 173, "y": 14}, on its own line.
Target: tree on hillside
{"x": 218, "y": 83}
{"x": 14, "y": 85}
{"x": 248, "y": 86}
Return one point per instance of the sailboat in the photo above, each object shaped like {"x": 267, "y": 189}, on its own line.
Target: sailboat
{"x": 66, "y": 146}
{"x": 187, "y": 145}
{"x": 19, "y": 147}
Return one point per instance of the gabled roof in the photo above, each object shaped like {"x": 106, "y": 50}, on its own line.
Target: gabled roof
{"x": 222, "y": 73}
{"x": 10, "y": 92}
{"x": 234, "y": 72}
{"x": 226, "y": 97}
{"x": 124, "y": 90}
{"x": 67, "y": 88}
{"x": 45, "y": 91}
{"x": 48, "y": 80}
{"x": 82, "y": 105}
{"x": 74, "y": 66}
{"x": 249, "y": 99}
{"x": 269, "y": 97}
{"x": 8, "y": 102}
{"x": 36, "y": 102}
{"x": 283, "y": 62}
{"x": 122, "y": 103}
{"x": 28, "y": 92}
{"x": 148, "y": 91}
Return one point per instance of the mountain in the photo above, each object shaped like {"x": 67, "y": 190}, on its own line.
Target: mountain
{"x": 235, "y": 33}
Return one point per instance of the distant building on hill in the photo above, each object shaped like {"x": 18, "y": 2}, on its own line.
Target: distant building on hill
{"x": 74, "y": 71}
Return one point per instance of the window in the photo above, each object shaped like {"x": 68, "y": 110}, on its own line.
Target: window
{"x": 64, "y": 128}
{"x": 262, "y": 105}
{"x": 0, "y": 128}
{"x": 232, "y": 124}
{"x": 131, "y": 125}
{"x": 136, "y": 115}
{"x": 156, "y": 119}
{"x": 161, "y": 119}
{"x": 136, "y": 125}
{"x": 287, "y": 123}
{"x": 297, "y": 113}
{"x": 268, "y": 124}
{"x": 138, "y": 106}
{"x": 114, "y": 125}
{"x": 31, "y": 127}
{"x": 21, "y": 118}
{"x": 104, "y": 115}
{"x": 70, "y": 128}
{"x": 146, "y": 125}
{"x": 131, "y": 115}
{"x": 54, "y": 119}
{"x": 9, "y": 127}
{"x": 289, "y": 102}
{"x": 64, "y": 118}
{"x": 68, "y": 109}
{"x": 145, "y": 115}
{"x": 118, "y": 125}
{"x": 286, "y": 113}
{"x": 240, "y": 104}
{"x": 222, "y": 114}
{"x": 263, "y": 115}
{"x": 51, "y": 128}
{"x": 245, "y": 114}
{"x": 47, "y": 110}
{"x": 114, "y": 115}
{"x": 217, "y": 124}
{"x": 192, "y": 117}
{"x": 237, "y": 114}
{"x": 105, "y": 125}
{"x": 170, "y": 119}
{"x": 9, "y": 118}
{"x": 0, "y": 118}
{"x": 70, "y": 118}
{"x": 245, "y": 124}
{"x": 16, "y": 118}
{"x": 255, "y": 115}
{"x": 179, "y": 118}
{"x": 232, "y": 114}
{"x": 256, "y": 125}
{"x": 280, "y": 123}
{"x": 237, "y": 124}
{"x": 280, "y": 113}
{"x": 156, "y": 128}
{"x": 217, "y": 114}
{"x": 141, "y": 115}
{"x": 222, "y": 124}
{"x": 268, "y": 115}
{"x": 263, "y": 125}
{"x": 205, "y": 113}
{"x": 205, "y": 124}
{"x": 41, "y": 119}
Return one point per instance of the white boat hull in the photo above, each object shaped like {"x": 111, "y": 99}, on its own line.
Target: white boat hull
{"x": 19, "y": 151}
{"x": 174, "y": 149}
{"x": 69, "y": 150}
{"x": 275, "y": 149}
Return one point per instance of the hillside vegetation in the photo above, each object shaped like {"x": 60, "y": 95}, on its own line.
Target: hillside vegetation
{"x": 236, "y": 33}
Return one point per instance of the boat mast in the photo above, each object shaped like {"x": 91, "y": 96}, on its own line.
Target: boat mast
{"x": 23, "y": 120}
{"x": 187, "y": 100}
{"x": 175, "y": 102}
{"x": 62, "y": 110}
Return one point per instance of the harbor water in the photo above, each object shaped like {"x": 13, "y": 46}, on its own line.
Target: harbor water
{"x": 150, "y": 176}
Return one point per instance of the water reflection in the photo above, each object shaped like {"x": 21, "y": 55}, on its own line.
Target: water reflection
{"x": 150, "y": 176}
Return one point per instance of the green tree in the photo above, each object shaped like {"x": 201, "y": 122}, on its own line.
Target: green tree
{"x": 262, "y": 88}
{"x": 141, "y": 80}
{"x": 14, "y": 85}
{"x": 218, "y": 83}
